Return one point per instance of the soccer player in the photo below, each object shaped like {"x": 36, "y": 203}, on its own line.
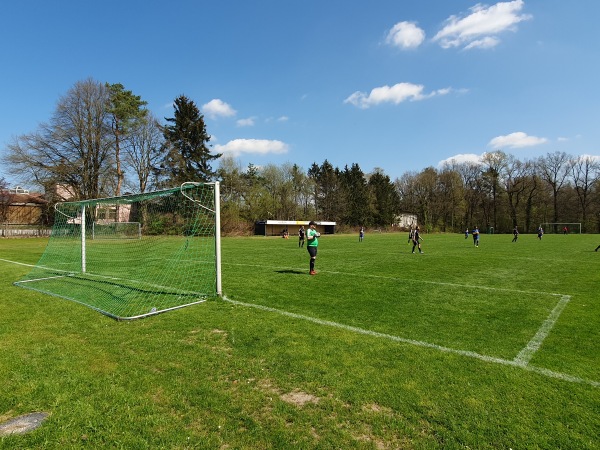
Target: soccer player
{"x": 515, "y": 234}
{"x": 416, "y": 238}
{"x": 301, "y": 237}
{"x": 361, "y": 234}
{"x": 540, "y": 232}
{"x": 312, "y": 238}
{"x": 475, "y": 234}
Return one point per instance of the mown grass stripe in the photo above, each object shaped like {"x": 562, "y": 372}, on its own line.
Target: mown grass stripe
{"x": 467, "y": 353}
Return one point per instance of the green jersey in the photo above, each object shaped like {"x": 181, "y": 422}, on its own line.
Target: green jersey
{"x": 312, "y": 242}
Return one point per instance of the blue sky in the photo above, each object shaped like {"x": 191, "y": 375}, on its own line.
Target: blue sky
{"x": 400, "y": 85}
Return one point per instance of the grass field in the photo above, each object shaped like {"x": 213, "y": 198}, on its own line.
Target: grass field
{"x": 461, "y": 347}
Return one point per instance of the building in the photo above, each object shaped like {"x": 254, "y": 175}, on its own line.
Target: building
{"x": 22, "y": 213}
{"x": 405, "y": 221}
{"x": 20, "y": 207}
{"x": 277, "y": 227}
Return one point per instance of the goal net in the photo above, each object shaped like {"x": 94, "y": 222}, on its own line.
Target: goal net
{"x": 116, "y": 230}
{"x": 562, "y": 228}
{"x": 160, "y": 252}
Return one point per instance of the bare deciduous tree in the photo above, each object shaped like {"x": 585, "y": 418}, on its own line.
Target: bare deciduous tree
{"x": 554, "y": 170}
{"x": 585, "y": 172}
{"x": 142, "y": 151}
{"x": 73, "y": 148}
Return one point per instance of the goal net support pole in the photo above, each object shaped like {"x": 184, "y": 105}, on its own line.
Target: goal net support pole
{"x": 83, "y": 253}
{"x": 218, "y": 238}
{"x": 174, "y": 262}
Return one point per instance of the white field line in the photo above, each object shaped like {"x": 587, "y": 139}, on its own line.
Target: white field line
{"x": 42, "y": 279}
{"x": 535, "y": 343}
{"x": 408, "y": 280}
{"x": 467, "y": 353}
{"x": 19, "y": 263}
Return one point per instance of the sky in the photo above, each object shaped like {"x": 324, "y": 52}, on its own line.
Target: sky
{"x": 397, "y": 85}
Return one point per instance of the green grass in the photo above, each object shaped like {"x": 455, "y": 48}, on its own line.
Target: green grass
{"x": 382, "y": 349}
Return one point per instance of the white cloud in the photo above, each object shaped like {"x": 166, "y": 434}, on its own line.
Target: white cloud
{"x": 480, "y": 27}
{"x": 461, "y": 159}
{"x": 516, "y": 140}
{"x": 218, "y": 108}
{"x": 249, "y": 122}
{"x": 238, "y": 147}
{"x": 486, "y": 42}
{"x": 396, "y": 94}
{"x": 405, "y": 35}
{"x": 594, "y": 158}
{"x": 283, "y": 119}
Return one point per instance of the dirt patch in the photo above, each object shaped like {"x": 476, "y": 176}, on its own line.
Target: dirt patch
{"x": 299, "y": 398}
{"x": 22, "y": 424}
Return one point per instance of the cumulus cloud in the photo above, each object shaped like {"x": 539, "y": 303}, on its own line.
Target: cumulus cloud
{"x": 239, "y": 147}
{"x": 405, "y": 35}
{"x": 516, "y": 140}
{"x": 480, "y": 28}
{"x": 396, "y": 94}
{"x": 218, "y": 108}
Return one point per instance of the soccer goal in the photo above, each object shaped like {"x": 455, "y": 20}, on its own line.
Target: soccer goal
{"x": 562, "y": 228}
{"x": 160, "y": 252}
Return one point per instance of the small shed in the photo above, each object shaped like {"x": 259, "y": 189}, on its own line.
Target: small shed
{"x": 279, "y": 227}
{"x": 405, "y": 221}
{"x": 18, "y": 206}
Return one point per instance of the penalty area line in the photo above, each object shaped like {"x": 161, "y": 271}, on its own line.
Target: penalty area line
{"x": 535, "y": 343}
{"x": 467, "y": 353}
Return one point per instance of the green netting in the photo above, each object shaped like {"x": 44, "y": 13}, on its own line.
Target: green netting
{"x": 134, "y": 255}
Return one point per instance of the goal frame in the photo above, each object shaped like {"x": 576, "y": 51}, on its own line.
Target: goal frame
{"x": 81, "y": 211}
{"x": 572, "y": 226}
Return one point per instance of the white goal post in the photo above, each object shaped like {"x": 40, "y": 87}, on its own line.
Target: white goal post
{"x": 562, "y": 227}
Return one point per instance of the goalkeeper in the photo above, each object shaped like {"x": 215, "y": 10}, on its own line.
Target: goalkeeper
{"x": 312, "y": 242}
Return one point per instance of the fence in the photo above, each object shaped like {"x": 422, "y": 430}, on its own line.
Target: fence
{"x": 23, "y": 231}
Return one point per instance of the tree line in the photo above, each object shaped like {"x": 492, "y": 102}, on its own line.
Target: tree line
{"x": 102, "y": 141}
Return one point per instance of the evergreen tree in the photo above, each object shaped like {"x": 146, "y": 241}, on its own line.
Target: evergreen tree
{"x": 356, "y": 192}
{"x": 386, "y": 198}
{"x": 186, "y": 153}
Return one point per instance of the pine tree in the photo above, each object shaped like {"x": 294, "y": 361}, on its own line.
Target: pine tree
{"x": 187, "y": 156}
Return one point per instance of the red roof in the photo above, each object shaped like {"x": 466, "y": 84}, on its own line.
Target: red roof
{"x": 20, "y": 199}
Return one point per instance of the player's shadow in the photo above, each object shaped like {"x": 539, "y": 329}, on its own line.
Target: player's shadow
{"x": 294, "y": 271}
